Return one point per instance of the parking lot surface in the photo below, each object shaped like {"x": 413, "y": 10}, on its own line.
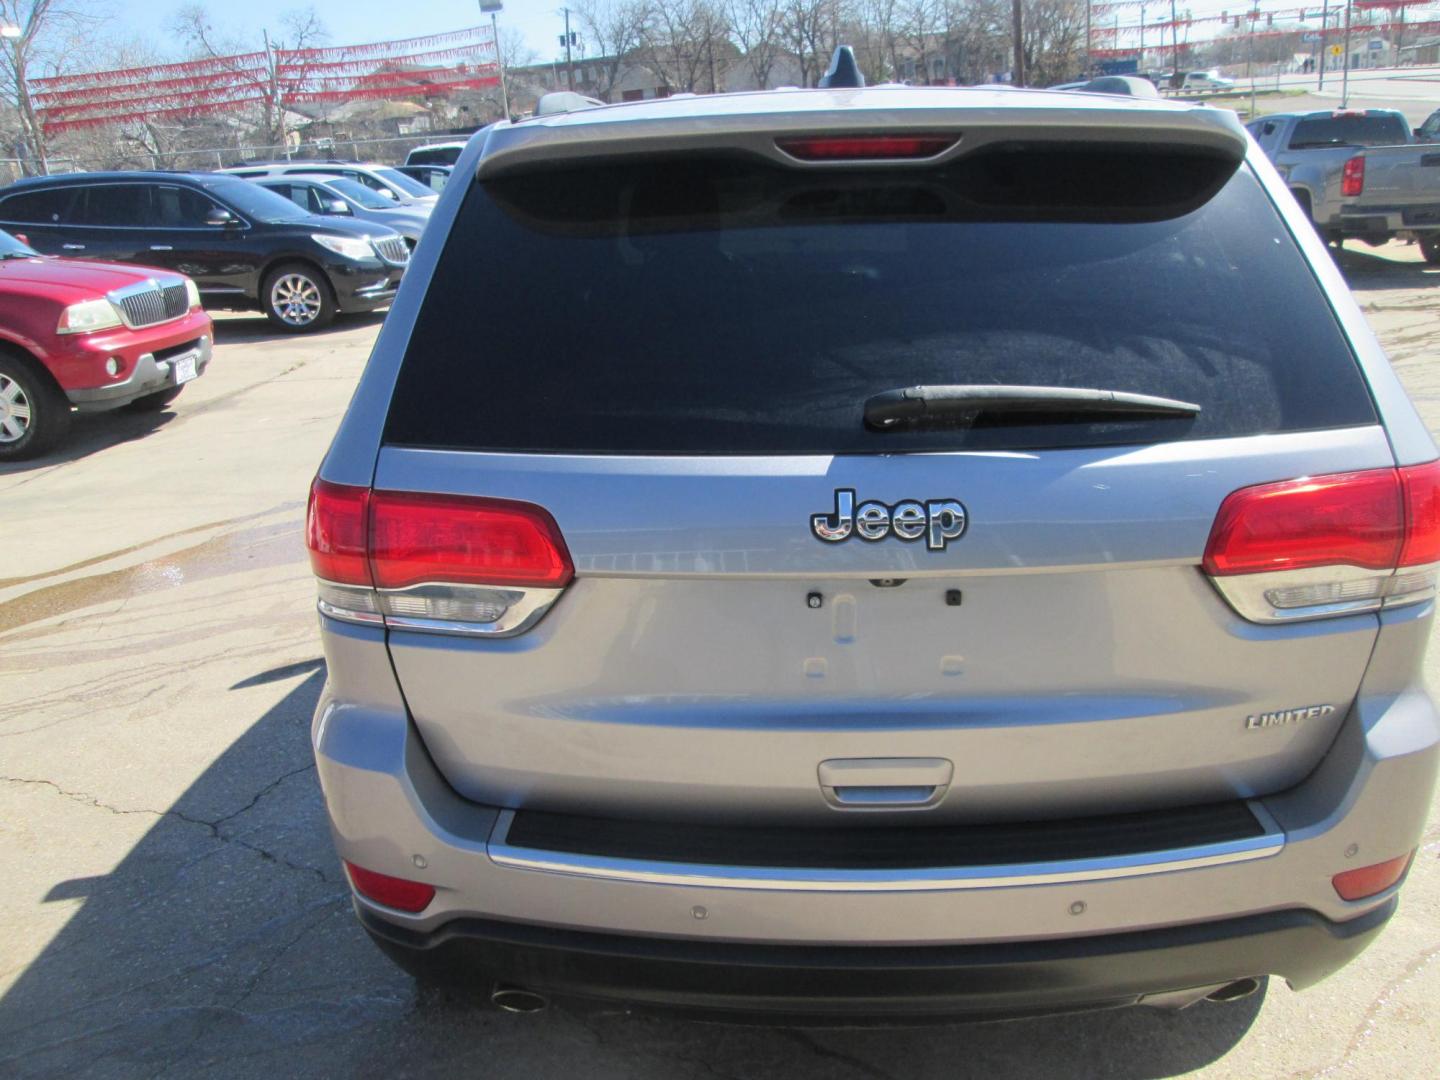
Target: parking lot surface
{"x": 172, "y": 905}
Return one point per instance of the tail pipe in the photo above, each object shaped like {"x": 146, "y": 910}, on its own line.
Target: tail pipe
{"x": 516, "y": 999}
{"x": 1235, "y": 991}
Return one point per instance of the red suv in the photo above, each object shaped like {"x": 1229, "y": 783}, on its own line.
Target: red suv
{"x": 90, "y": 337}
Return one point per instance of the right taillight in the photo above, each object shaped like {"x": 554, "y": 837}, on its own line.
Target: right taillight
{"x": 1328, "y": 545}
{"x": 1352, "y": 178}
{"x": 453, "y": 564}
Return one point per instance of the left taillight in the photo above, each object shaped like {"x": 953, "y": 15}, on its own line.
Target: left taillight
{"x": 437, "y": 563}
{"x": 1328, "y": 545}
{"x": 1352, "y": 178}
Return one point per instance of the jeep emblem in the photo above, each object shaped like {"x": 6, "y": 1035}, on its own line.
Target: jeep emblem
{"x": 937, "y": 521}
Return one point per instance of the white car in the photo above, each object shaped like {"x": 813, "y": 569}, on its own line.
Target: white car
{"x": 388, "y": 181}
{"x": 446, "y": 153}
{"x": 1206, "y": 80}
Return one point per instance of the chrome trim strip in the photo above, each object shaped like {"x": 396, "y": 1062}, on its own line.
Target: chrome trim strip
{"x": 365, "y": 618}
{"x": 929, "y": 879}
{"x": 524, "y": 608}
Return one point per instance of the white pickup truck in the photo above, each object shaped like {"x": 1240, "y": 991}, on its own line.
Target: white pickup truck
{"x": 1358, "y": 173}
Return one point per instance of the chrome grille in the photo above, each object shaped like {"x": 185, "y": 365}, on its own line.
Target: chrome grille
{"x": 151, "y": 305}
{"x": 393, "y": 249}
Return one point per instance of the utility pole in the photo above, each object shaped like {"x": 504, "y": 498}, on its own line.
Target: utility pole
{"x": 492, "y": 8}
{"x": 1089, "y": 63}
{"x": 1324, "y": 42}
{"x": 1176, "y": 79}
{"x": 1250, "y": 60}
{"x": 1017, "y": 76}
{"x": 1140, "y": 62}
{"x": 1345, "y": 72}
{"x": 275, "y": 103}
{"x": 567, "y": 41}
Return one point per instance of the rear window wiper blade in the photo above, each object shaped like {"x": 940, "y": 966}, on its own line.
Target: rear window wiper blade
{"x": 917, "y": 404}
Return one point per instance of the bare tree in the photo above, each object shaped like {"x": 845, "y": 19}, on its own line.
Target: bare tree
{"x": 300, "y": 29}
{"x": 616, "y": 29}
{"x": 679, "y": 43}
{"x": 756, "y": 27}
{"x": 808, "y": 30}
{"x": 45, "y": 39}
{"x": 1052, "y": 40}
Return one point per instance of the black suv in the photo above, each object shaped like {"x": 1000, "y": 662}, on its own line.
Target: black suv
{"x": 246, "y": 247}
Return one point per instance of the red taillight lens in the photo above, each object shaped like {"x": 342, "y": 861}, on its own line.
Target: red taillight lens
{"x": 866, "y": 147}
{"x": 1421, "y": 487}
{"x": 416, "y": 539}
{"x": 398, "y": 893}
{"x": 1346, "y": 519}
{"x": 1352, "y": 180}
{"x": 1366, "y": 881}
{"x": 335, "y": 526}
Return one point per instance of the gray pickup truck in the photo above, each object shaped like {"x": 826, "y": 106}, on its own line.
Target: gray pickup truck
{"x": 1358, "y": 173}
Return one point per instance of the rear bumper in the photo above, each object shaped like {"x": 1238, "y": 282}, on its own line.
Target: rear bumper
{"x": 1385, "y": 220}
{"x": 779, "y": 983}
{"x": 1042, "y": 937}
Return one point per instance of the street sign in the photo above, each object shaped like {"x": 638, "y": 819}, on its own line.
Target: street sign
{"x": 1377, "y": 44}
{"x": 1336, "y": 50}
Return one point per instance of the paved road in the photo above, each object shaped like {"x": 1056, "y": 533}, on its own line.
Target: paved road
{"x": 170, "y": 902}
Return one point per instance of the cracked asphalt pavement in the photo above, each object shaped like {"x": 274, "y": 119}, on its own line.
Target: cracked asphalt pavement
{"x": 172, "y": 907}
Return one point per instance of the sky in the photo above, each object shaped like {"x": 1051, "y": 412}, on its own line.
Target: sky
{"x": 354, "y": 22}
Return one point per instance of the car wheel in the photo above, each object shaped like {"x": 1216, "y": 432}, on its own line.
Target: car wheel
{"x": 34, "y": 414}
{"x": 157, "y": 401}
{"x": 1430, "y": 248}
{"x": 297, "y": 298}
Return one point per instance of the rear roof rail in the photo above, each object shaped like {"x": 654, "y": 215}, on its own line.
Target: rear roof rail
{"x": 565, "y": 101}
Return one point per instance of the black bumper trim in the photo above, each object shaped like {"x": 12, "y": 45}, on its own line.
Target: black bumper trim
{"x": 783, "y": 983}
{"x": 887, "y": 847}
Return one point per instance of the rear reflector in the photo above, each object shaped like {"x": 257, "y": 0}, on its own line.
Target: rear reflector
{"x": 1366, "y": 881}
{"x": 1352, "y": 179}
{"x": 393, "y": 892}
{"x": 417, "y": 538}
{"x": 1328, "y": 545}
{"x": 866, "y": 147}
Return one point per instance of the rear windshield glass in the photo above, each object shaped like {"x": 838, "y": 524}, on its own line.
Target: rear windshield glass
{"x": 727, "y": 307}
{"x": 1371, "y": 129}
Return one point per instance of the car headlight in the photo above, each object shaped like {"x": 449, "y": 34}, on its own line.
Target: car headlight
{"x": 349, "y": 247}
{"x": 88, "y": 316}
{"x": 192, "y": 293}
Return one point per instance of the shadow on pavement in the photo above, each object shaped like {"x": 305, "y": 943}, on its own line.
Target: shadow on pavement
{"x": 239, "y": 327}
{"x": 223, "y": 945}
{"x": 1372, "y": 270}
{"x": 90, "y": 433}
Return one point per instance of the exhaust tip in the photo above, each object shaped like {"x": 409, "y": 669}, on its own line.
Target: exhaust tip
{"x": 516, "y": 999}
{"x": 1235, "y": 991}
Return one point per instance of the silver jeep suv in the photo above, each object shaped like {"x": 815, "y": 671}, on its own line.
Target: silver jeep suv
{"x": 875, "y": 552}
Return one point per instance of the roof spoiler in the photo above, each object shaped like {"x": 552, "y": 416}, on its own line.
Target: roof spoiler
{"x": 713, "y": 126}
